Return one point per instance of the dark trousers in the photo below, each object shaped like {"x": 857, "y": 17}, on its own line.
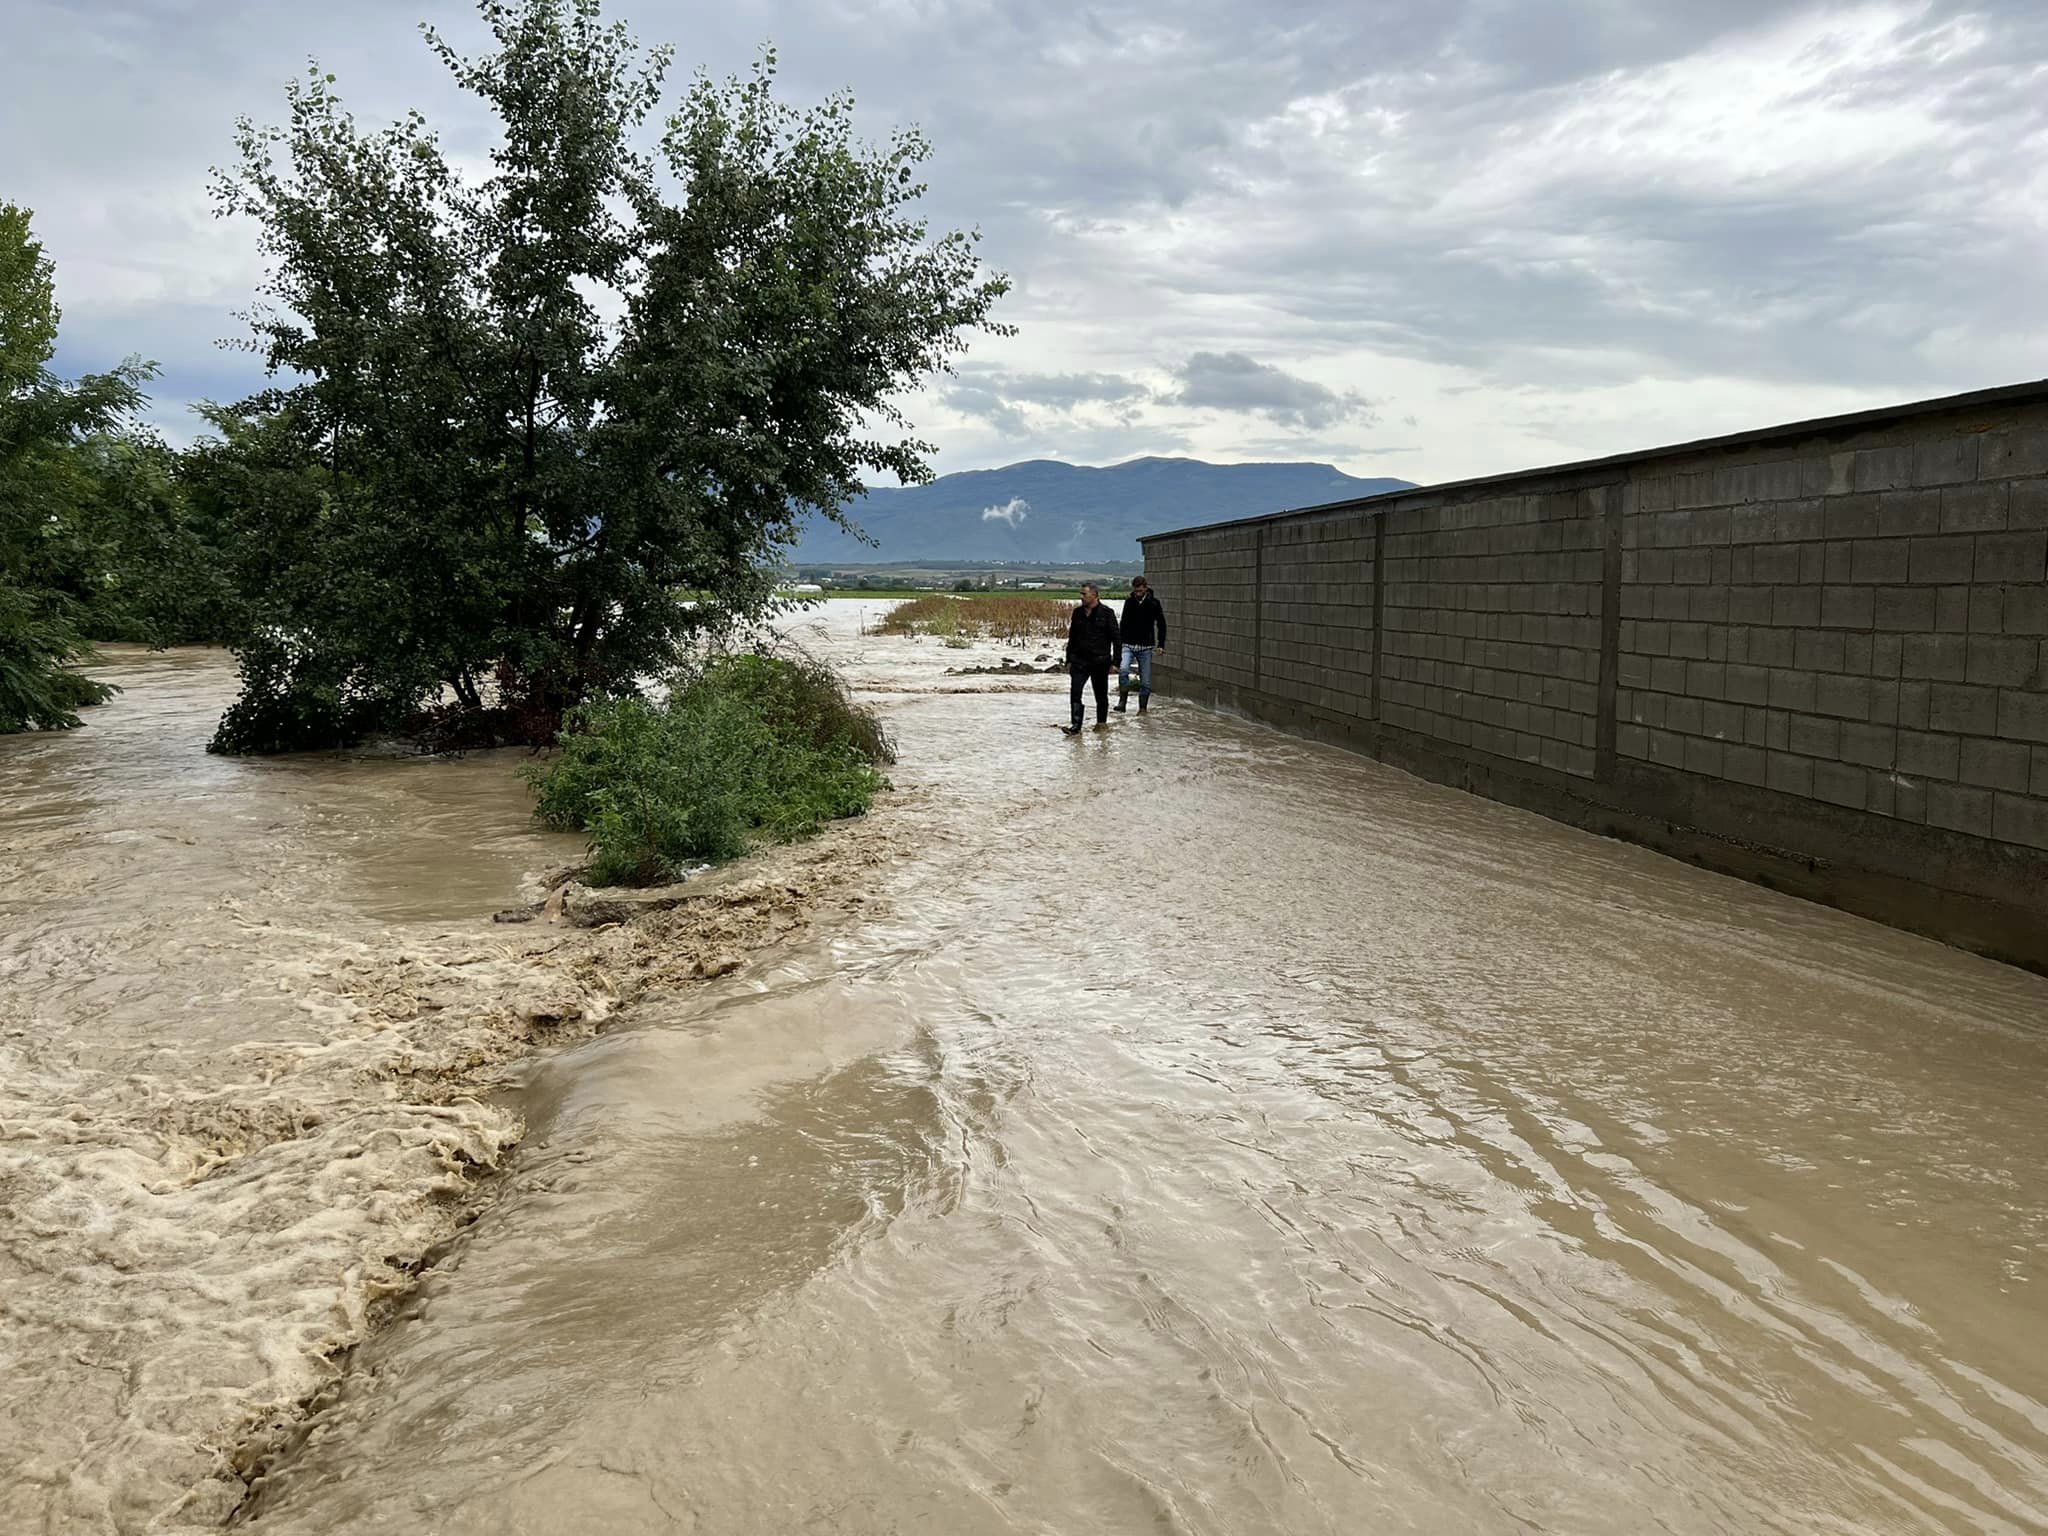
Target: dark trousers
{"x": 1081, "y": 673}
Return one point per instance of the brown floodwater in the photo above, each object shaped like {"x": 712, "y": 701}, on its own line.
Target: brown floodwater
{"x": 1195, "y": 1130}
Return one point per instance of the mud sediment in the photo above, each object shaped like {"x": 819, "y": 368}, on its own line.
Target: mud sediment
{"x": 189, "y": 1261}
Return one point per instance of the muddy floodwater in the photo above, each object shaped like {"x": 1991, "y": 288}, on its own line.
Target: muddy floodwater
{"x": 1179, "y": 1129}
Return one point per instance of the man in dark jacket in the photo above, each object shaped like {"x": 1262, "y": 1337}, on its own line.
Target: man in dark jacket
{"x": 1143, "y": 630}
{"x": 1091, "y": 652}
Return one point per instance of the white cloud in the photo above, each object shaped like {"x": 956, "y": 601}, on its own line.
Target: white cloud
{"x": 1542, "y": 229}
{"x": 1013, "y": 512}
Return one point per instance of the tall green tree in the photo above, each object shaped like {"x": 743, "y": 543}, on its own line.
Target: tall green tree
{"x": 54, "y": 557}
{"x": 548, "y": 420}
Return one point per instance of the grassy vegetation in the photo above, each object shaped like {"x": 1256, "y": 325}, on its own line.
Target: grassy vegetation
{"x": 748, "y": 749}
{"x": 998, "y": 616}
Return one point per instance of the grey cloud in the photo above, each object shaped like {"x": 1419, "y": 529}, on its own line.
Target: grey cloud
{"x": 1064, "y": 391}
{"x": 1234, "y": 381}
{"x": 1219, "y": 177}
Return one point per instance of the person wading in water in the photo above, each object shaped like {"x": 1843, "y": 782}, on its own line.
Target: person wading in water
{"x": 1091, "y": 652}
{"x": 1143, "y": 630}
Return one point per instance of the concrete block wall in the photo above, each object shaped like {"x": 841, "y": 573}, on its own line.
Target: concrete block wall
{"x": 1316, "y": 632}
{"x": 1862, "y": 626}
{"x": 1815, "y": 655}
{"x": 1492, "y": 625}
{"x": 1213, "y": 629}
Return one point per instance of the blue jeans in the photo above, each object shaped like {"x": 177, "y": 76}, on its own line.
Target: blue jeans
{"x": 1142, "y": 655}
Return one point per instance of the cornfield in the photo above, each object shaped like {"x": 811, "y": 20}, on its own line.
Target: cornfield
{"x": 1013, "y": 620}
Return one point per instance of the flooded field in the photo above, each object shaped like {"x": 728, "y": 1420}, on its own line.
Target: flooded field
{"x": 1182, "y": 1128}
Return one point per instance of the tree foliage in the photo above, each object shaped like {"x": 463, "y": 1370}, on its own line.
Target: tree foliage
{"x": 517, "y": 417}
{"x": 745, "y": 748}
{"x": 56, "y": 556}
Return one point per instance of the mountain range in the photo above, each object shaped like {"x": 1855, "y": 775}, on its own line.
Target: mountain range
{"x": 1045, "y": 512}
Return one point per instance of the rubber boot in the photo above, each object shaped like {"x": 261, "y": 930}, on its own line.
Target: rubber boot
{"x": 1144, "y": 699}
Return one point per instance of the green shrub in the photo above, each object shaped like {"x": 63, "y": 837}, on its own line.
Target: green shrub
{"x": 749, "y": 748}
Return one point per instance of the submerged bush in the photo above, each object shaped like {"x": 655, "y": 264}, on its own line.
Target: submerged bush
{"x": 748, "y": 748}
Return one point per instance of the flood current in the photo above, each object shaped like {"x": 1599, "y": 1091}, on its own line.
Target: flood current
{"x": 1179, "y": 1129}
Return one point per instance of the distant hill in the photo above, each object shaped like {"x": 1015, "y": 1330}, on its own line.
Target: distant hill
{"x": 1043, "y": 511}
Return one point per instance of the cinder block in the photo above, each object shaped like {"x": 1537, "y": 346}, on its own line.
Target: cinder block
{"x": 1997, "y": 764}
{"x": 1688, "y": 716}
{"x": 2020, "y": 610}
{"x": 1789, "y": 775}
{"x": 1689, "y": 641}
{"x": 1883, "y": 793}
{"x": 1963, "y": 709}
{"x": 1703, "y": 756}
{"x": 1952, "y": 610}
{"x": 1814, "y": 737}
{"x": 1804, "y": 520}
{"x": 2022, "y": 451}
{"x": 1771, "y": 647}
{"x": 1745, "y": 765}
{"x": 1818, "y": 650}
{"x": 1799, "y": 607}
{"x": 1792, "y": 689}
{"x": 1692, "y": 567}
{"x": 1722, "y": 721}
{"x": 1925, "y": 755}
{"x": 1748, "y": 684}
{"x": 2040, "y": 784}
{"x": 1881, "y": 562}
{"x": 2012, "y": 557}
{"x": 1749, "y": 605}
{"x": 1846, "y": 698}
{"x": 1706, "y": 680}
{"x": 2007, "y": 661}
{"x": 1940, "y": 657}
{"x": 1947, "y": 461}
{"x": 1942, "y": 561}
{"x": 1887, "y": 653}
{"x": 1915, "y": 698}
{"x": 1904, "y": 608}
{"x": 1839, "y": 784}
{"x": 1977, "y": 508}
{"x": 1856, "y": 653}
{"x": 1775, "y": 564}
{"x": 2023, "y": 820}
{"x": 2029, "y": 505}
{"x": 1667, "y": 749}
{"x": 1873, "y": 746}
{"x": 2022, "y": 715}
{"x": 1632, "y": 741}
{"x": 1847, "y": 607}
{"x": 1959, "y": 808}
{"x": 1910, "y": 800}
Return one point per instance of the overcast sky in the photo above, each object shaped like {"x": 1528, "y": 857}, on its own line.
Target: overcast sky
{"x": 1425, "y": 238}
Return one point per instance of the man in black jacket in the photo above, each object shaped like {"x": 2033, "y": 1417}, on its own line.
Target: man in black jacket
{"x": 1091, "y": 652}
{"x": 1143, "y": 630}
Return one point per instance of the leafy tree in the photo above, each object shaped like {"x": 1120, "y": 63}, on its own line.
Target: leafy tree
{"x": 169, "y": 559}
{"x": 53, "y": 555}
{"x": 550, "y": 420}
